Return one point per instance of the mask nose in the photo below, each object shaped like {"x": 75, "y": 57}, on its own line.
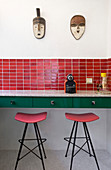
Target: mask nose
{"x": 78, "y": 29}
{"x": 39, "y": 27}
{"x": 77, "y": 26}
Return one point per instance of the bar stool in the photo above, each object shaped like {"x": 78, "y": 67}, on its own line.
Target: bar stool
{"x": 86, "y": 117}
{"x": 31, "y": 118}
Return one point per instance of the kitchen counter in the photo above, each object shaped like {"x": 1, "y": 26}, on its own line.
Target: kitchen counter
{"x": 53, "y": 99}
{"x": 51, "y": 93}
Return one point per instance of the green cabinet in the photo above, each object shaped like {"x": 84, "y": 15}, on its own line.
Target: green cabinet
{"x": 16, "y": 102}
{"x": 52, "y": 102}
{"x": 91, "y": 102}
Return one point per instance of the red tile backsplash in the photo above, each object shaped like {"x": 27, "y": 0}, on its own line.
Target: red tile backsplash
{"x": 50, "y": 74}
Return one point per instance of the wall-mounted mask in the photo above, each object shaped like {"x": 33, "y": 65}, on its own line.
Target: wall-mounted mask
{"x": 39, "y": 25}
{"x": 77, "y": 26}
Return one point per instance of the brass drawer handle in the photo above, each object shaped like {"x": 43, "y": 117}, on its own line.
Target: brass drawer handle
{"x": 52, "y": 102}
{"x": 93, "y": 102}
{"x": 12, "y": 102}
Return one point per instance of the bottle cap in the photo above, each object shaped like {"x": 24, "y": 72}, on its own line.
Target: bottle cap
{"x": 103, "y": 74}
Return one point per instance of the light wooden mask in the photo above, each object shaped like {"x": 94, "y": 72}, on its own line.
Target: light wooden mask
{"x": 77, "y": 26}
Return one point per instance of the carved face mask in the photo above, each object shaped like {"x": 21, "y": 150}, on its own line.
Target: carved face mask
{"x": 77, "y": 26}
{"x": 39, "y": 25}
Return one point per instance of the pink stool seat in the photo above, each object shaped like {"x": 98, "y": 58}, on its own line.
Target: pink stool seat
{"x": 31, "y": 118}
{"x": 86, "y": 117}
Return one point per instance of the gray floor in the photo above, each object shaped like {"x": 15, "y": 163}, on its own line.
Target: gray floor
{"x": 55, "y": 161}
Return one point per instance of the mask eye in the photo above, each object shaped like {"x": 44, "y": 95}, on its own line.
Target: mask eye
{"x": 81, "y": 24}
{"x": 74, "y": 25}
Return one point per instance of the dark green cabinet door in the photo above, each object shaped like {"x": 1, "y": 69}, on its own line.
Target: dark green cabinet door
{"x": 90, "y": 102}
{"x": 16, "y": 102}
{"x": 95, "y": 102}
{"x": 52, "y": 102}
{"x": 6, "y": 101}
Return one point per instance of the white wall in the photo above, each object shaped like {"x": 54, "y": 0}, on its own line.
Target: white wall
{"x": 16, "y": 33}
{"x": 109, "y": 30}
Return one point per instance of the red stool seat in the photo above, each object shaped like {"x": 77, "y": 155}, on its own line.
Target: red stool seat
{"x": 86, "y": 117}
{"x": 31, "y": 118}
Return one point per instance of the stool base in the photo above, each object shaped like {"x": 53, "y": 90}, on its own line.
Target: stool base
{"x": 40, "y": 142}
{"x": 88, "y": 142}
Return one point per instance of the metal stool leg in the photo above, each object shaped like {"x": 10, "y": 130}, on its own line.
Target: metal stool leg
{"x": 91, "y": 145}
{"x": 87, "y": 139}
{"x": 41, "y": 141}
{"x": 70, "y": 139}
{"x": 36, "y": 132}
{"x": 24, "y": 133}
{"x": 74, "y": 145}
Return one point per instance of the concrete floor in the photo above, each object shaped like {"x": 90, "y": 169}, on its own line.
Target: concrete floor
{"x": 55, "y": 161}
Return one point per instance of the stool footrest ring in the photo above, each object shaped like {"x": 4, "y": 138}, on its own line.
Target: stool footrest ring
{"x": 31, "y": 150}
{"x": 80, "y": 148}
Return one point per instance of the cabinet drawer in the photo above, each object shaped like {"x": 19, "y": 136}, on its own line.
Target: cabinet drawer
{"x": 52, "y": 102}
{"x": 95, "y": 102}
{"x": 90, "y": 102}
{"x": 16, "y": 102}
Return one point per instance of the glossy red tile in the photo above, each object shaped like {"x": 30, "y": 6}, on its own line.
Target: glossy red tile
{"x": 51, "y": 73}
{"x": 6, "y": 88}
{"x": 97, "y": 60}
{"x": 19, "y": 60}
{"x": 39, "y": 60}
